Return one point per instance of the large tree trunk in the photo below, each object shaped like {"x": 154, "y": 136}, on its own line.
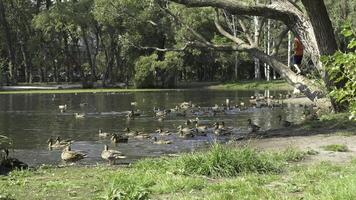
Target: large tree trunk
{"x": 89, "y": 57}
{"x": 314, "y": 29}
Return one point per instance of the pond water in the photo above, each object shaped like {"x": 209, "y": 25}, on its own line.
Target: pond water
{"x": 30, "y": 119}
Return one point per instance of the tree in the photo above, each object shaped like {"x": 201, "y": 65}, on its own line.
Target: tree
{"x": 313, "y": 26}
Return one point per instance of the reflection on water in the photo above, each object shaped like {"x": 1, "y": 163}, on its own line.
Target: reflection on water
{"x": 31, "y": 119}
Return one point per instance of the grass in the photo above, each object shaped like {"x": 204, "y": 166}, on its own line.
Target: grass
{"x": 223, "y": 172}
{"x": 336, "y": 148}
{"x": 246, "y": 85}
{"x": 332, "y": 121}
{"x": 254, "y": 85}
{"x": 73, "y": 91}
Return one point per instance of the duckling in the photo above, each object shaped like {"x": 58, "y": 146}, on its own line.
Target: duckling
{"x": 56, "y": 145}
{"x": 103, "y": 134}
{"x": 253, "y": 127}
{"x": 115, "y": 138}
{"x": 71, "y": 156}
{"x": 79, "y": 116}
{"x": 111, "y": 155}
{"x": 156, "y": 141}
{"x": 284, "y": 123}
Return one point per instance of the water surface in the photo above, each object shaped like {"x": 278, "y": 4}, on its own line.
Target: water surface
{"x": 30, "y": 119}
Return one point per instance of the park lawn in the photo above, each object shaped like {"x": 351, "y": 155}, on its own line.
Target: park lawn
{"x": 246, "y": 85}
{"x": 254, "y": 85}
{"x": 223, "y": 172}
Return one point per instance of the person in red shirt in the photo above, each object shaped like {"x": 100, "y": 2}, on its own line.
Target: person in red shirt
{"x": 298, "y": 54}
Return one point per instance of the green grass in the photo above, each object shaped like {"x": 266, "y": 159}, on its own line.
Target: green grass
{"x": 336, "y": 148}
{"x": 232, "y": 173}
{"x": 72, "y": 91}
{"x": 254, "y": 85}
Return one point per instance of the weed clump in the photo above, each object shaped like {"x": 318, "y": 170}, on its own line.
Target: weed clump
{"x": 336, "y": 148}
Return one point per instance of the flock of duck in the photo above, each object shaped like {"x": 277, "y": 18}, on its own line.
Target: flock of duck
{"x": 191, "y": 128}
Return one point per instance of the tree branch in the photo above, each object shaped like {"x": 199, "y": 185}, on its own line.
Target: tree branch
{"x": 273, "y": 11}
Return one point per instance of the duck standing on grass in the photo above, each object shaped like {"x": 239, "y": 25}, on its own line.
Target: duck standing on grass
{"x": 71, "y": 156}
{"x": 111, "y": 155}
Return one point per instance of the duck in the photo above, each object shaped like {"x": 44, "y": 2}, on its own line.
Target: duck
{"x": 115, "y": 138}
{"x": 161, "y": 132}
{"x": 111, "y": 155}
{"x": 201, "y": 128}
{"x": 142, "y": 135}
{"x": 52, "y": 145}
{"x": 83, "y": 104}
{"x": 64, "y": 142}
{"x": 79, "y": 116}
{"x": 130, "y": 132}
{"x": 71, "y": 156}
{"x": 284, "y": 123}
{"x": 186, "y": 129}
{"x": 185, "y": 134}
{"x": 156, "y": 141}
{"x": 253, "y": 127}
{"x": 62, "y": 108}
{"x": 103, "y": 134}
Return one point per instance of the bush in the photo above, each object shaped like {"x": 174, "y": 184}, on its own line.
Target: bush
{"x": 342, "y": 71}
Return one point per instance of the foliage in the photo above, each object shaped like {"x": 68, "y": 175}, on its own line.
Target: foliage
{"x": 5, "y": 142}
{"x": 342, "y": 71}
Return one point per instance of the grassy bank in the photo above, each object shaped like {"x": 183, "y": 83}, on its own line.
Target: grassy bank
{"x": 73, "y": 91}
{"x": 254, "y": 85}
{"x": 248, "y": 85}
{"x": 221, "y": 173}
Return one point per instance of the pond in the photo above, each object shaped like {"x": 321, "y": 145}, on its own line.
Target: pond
{"x": 31, "y": 119}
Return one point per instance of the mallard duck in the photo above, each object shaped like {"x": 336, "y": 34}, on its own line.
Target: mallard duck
{"x": 130, "y": 133}
{"x": 56, "y": 145}
{"x": 156, "y": 141}
{"x": 79, "y": 116}
{"x": 71, "y": 156}
{"x": 65, "y": 142}
{"x": 253, "y": 127}
{"x": 185, "y": 134}
{"x": 186, "y": 129}
{"x": 284, "y": 123}
{"x": 6, "y": 153}
{"x": 161, "y": 132}
{"x": 142, "y": 135}
{"x": 111, "y": 155}
{"x": 115, "y": 138}
{"x": 201, "y": 128}
{"x": 103, "y": 134}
